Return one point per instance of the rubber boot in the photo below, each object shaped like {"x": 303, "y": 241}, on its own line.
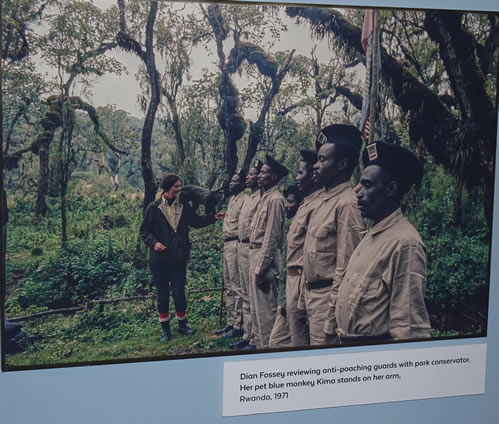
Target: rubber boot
{"x": 239, "y": 344}
{"x": 184, "y": 329}
{"x": 220, "y": 331}
{"x": 166, "y": 335}
{"x": 233, "y": 333}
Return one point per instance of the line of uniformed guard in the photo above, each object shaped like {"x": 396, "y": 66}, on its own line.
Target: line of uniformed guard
{"x": 344, "y": 284}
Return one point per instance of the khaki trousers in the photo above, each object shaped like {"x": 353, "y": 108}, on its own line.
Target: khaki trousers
{"x": 317, "y": 305}
{"x": 296, "y": 317}
{"x": 280, "y": 336}
{"x": 243, "y": 262}
{"x": 263, "y": 305}
{"x": 233, "y": 300}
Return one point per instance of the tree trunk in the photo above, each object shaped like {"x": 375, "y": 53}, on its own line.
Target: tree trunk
{"x": 43, "y": 181}
{"x": 147, "y": 56}
{"x": 457, "y": 50}
{"x": 64, "y": 220}
{"x": 458, "y": 202}
{"x": 147, "y": 172}
{"x": 229, "y": 117}
{"x": 257, "y": 129}
{"x": 50, "y": 122}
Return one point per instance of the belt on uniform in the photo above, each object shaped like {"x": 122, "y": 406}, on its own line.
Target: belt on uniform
{"x": 255, "y": 245}
{"x": 294, "y": 271}
{"x": 229, "y": 239}
{"x": 359, "y": 338}
{"x": 319, "y": 284}
{"x": 245, "y": 241}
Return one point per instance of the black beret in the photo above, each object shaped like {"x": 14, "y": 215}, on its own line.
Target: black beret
{"x": 242, "y": 174}
{"x": 339, "y": 133}
{"x": 401, "y": 162}
{"x": 292, "y": 189}
{"x": 309, "y": 156}
{"x": 257, "y": 164}
{"x": 280, "y": 170}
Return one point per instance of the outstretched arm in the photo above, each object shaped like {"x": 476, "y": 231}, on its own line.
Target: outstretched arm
{"x": 198, "y": 221}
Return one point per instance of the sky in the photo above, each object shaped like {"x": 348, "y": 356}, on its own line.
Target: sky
{"x": 122, "y": 90}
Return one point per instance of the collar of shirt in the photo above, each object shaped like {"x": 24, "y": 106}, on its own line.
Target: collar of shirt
{"x": 336, "y": 190}
{"x": 386, "y": 223}
{"x": 269, "y": 192}
{"x": 239, "y": 195}
{"x": 311, "y": 196}
{"x": 255, "y": 194}
{"x": 174, "y": 204}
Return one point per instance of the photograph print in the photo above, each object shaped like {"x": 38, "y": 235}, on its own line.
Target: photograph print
{"x": 186, "y": 179}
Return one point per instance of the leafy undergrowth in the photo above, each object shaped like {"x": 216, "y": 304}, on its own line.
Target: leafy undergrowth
{"x": 103, "y": 259}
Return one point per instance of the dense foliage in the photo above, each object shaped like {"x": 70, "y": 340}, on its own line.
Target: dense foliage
{"x": 458, "y": 255}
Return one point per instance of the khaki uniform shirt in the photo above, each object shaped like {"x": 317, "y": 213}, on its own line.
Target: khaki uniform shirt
{"x": 267, "y": 228}
{"x": 298, "y": 230}
{"x": 231, "y": 220}
{"x": 332, "y": 235}
{"x": 383, "y": 287}
{"x": 248, "y": 209}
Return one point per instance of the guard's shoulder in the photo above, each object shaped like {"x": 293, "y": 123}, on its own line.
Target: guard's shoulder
{"x": 276, "y": 194}
{"x": 347, "y": 199}
{"x": 407, "y": 233}
{"x": 350, "y": 195}
{"x": 277, "y": 197}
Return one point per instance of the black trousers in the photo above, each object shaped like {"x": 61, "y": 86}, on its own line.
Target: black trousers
{"x": 166, "y": 276}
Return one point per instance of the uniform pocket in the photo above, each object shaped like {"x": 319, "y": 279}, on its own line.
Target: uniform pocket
{"x": 368, "y": 300}
{"x": 296, "y": 238}
{"x": 325, "y": 239}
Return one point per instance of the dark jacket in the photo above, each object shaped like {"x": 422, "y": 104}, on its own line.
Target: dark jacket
{"x": 156, "y": 228}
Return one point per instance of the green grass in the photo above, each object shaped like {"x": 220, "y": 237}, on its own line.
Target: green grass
{"x": 124, "y": 331}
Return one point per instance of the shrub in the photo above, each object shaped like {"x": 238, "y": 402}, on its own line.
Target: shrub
{"x": 458, "y": 252}
{"x": 457, "y": 279}
{"x": 78, "y": 272}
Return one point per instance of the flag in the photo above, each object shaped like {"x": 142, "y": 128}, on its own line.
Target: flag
{"x": 367, "y": 42}
{"x": 367, "y": 45}
{"x": 367, "y": 28}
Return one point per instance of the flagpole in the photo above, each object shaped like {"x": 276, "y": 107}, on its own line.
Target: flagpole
{"x": 374, "y": 80}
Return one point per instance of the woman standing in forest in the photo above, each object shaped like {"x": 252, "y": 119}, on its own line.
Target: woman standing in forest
{"x": 165, "y": 230}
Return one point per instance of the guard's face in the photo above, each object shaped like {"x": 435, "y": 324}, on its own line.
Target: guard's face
{"x": 235, "y": 184}
{"x": 266, "y": 178}
{"x": 252, "y": 178}
{"x": 304, "y": 179}
{"x": 174, "y": 190}
{"x": 291, "y": 205}
{"x": 326, "y": 169}
{"x": 372, "y": 193}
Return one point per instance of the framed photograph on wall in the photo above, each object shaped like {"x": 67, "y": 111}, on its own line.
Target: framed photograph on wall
{"x": 104, "y": 101}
